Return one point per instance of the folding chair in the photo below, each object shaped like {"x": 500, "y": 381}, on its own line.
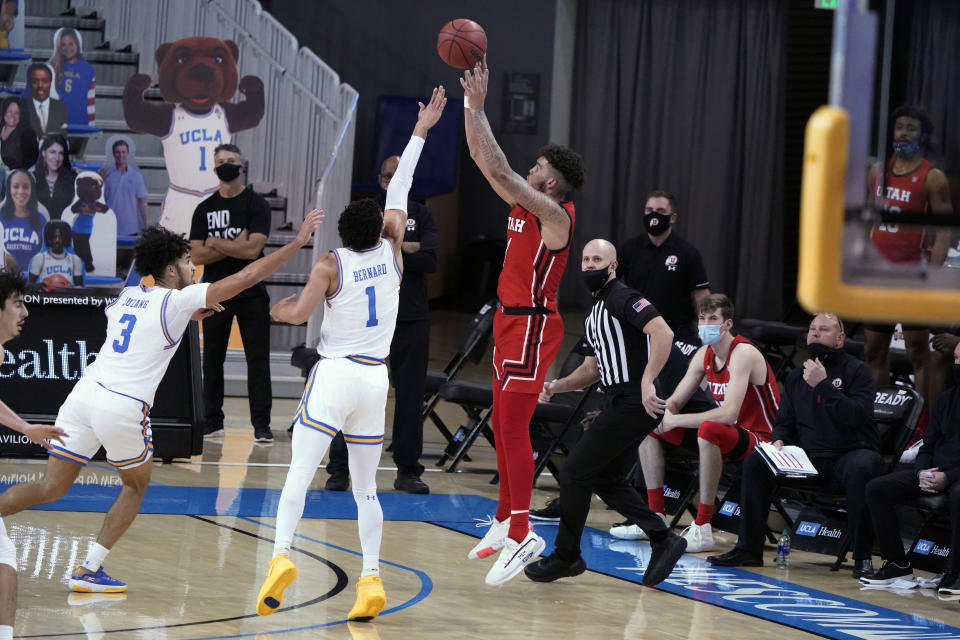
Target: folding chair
{"x": 896, "y": 410}
{"x": 778, "y": 341}
{"x": 473, "y": 344}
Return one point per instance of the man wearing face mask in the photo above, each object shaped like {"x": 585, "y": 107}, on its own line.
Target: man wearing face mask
{"x": 826, "y": 410}
{"x": 632, "y": 355}
{"x": 911, "y": 185}
{"x": 936, "y": 471}
{"x": 743, "y": 385}
{"x": 228, "y": 231}
{"x": 667, "y": 268}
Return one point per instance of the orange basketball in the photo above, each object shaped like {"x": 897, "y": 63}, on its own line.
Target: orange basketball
{"x": 462, "y": 43}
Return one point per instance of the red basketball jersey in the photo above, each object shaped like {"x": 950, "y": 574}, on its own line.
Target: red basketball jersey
{"x": 531, "y": 272}
{"x": 904, "y": 194}
{"x": 760, "y": 403}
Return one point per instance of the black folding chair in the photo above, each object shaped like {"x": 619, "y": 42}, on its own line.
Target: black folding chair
{"x": 896, "y": 410}
{"x": 473, "y": 344}
{"x": 778, "y": 341}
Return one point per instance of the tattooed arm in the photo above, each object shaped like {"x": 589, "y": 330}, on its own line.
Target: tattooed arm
{"x": 509, "y": 185}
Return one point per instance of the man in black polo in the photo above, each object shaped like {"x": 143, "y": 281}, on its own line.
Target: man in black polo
{"x": 668, "y": 269}
{"x": 827, "y": 410}
{"x": 408, "y": 350}
{"x": 631, "y": 345}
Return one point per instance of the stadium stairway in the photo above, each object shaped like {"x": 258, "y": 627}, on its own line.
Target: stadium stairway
{"x": 113, "y": 68}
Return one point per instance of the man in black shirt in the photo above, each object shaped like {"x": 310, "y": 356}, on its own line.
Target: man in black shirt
{"x": 228, "y": 232}
{"x": 409, "y": 350}
{"x": 631, "y": 345}
{"x": 668, "y": 269}
{"x": 936, "y": 470}
{"x": 827, "y": 410}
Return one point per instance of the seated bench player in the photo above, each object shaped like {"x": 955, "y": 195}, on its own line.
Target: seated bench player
{"x": 744, "y": 386}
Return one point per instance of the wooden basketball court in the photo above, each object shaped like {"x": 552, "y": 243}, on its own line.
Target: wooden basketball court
{"x": 196, "y": 556}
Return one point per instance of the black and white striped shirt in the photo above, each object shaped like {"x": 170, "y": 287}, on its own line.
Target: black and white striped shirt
{"x": 614, "y": 329}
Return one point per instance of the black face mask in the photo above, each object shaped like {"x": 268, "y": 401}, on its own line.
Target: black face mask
{"x": 227, "y": 172}
{"x": 956, "y": 374}
{"x": 656, "y": 223}
{"x": 595, "y": 278}
{"x": 822, "y": 352}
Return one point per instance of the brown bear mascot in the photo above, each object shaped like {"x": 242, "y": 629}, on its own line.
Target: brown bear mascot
{"x": 197, "y": 76}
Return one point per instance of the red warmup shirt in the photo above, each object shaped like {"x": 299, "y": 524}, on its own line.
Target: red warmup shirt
{"x": 761, "y": 401}
{"x": 904, "y": 194}
{"x": 531, "y": 272}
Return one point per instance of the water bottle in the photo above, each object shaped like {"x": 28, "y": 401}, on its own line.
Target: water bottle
{"x": 783, "y": 550}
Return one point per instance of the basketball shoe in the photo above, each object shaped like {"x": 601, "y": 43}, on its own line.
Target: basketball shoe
{"x": 279, "y": 576}
{"x": 370, "y": 599}
{"x": 97, "y": 582}
{"x": 514, "y": 557}
{"x": 699, "y": 538}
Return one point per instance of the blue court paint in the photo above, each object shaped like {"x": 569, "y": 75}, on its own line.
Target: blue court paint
{"x": 825, "y": 614}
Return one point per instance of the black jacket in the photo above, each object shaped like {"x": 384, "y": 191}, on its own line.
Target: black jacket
{"x": 941, "y": 441}
{"x": 833, "y": 417}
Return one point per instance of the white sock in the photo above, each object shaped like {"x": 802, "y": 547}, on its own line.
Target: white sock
{"x": 6, "y": 633}
{"x": 309, "y": 447}
{"x": 95, "y": 558}
{"x": 370, "y": 526}
{"x": 363, "y": 462}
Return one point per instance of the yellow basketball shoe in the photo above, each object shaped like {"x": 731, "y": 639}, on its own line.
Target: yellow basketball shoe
{"x": 279, "y": 576}
{"x": 370, "y": 599}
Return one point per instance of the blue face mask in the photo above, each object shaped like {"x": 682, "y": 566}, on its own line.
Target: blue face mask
{"x": 906, "y": 148}
{"x": 709, "y": 333}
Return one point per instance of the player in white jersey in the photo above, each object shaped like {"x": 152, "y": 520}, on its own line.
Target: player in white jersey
{"x": 110, "y": 404}
{"x": 188, "y": 152}
{"x": 347, "y": 388}
{"x": 13, "y": 313}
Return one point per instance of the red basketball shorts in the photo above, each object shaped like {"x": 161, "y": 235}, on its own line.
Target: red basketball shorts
{"x": 524, "y": 347}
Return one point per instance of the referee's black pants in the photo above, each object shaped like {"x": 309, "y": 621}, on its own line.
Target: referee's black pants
{"x": 886, "y": 492}
{"x": 851, "y": 470}
{"x": 253, "y": 318}
{"x": 599, "y": 464}
{"x": 408, "y": 372}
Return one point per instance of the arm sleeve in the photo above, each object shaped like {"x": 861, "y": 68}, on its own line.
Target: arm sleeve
{"x": 403, "y": 177}
{"x": 260, "y": 216}
{"x": 198, "y": 225}
{"x": 852, "y": 408}
{"x": 931, "y": 436}
{"x": 698, "y": 273}
{"x": 636, "y": 310}
{"x": 784, "y": 427}
{"x": 424, "y": 260}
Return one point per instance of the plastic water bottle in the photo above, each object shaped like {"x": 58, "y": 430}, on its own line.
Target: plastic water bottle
{"x": 783, "y": 550}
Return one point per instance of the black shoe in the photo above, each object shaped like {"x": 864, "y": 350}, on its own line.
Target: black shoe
{"x": 663, "y": 557}
{"x": 554, "y": 567}
{"x": 263, "y": 435}
{"x": 550, "y": 512}
{"x": 213, "y": 431}
{"x": 737, "y": 557}
{"x": 949, "y": 584}
{"x": 863, "y": 568}
{"x": 337, "y": 482}
{"x": 409, "y": 483}
{"x": 888, "y": 574}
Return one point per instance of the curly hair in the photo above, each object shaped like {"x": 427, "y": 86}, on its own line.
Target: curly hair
{"x": 66, "y": 233}
{"x": 915, "y": 112}
{"x": 361, "y": 224}
{"x": 10, "y": 282}
{"x": 567, "y": 163}
{"x": 156, "y": 249}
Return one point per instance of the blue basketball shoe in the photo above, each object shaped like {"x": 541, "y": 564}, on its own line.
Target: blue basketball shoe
{"x": 98, "y": 582}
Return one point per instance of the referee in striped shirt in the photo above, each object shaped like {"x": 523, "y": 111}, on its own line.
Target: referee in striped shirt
{"x": 631, "y": 345}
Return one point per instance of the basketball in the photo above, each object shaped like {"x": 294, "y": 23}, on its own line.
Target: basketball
{"x": 462, "y": 43}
